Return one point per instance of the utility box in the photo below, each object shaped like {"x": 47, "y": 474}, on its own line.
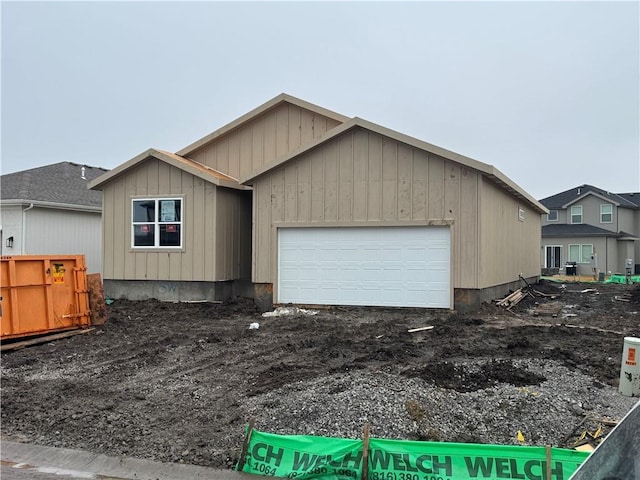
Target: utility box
{"x": 630, "y": 368}
{"x": 42, "y": 294}
{"x": 628, "y": 264}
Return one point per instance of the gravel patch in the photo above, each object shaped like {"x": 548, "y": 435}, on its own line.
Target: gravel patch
{"x": 399, "y": 408}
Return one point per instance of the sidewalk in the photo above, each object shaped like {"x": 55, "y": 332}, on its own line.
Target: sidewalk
{"x": 22, "y": 461}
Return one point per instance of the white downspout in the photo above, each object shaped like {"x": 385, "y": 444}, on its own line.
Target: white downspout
{"x": 24, "y": 229}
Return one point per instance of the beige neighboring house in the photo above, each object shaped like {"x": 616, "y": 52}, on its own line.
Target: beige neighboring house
{"x": 50, "y": 211}
{"x": 293, "y": 203}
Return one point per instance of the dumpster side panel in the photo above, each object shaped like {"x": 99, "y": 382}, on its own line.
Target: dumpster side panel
{"x": 43, "y": 294}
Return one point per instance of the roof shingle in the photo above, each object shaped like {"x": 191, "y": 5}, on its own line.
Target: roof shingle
{"x": 559, "y": 200}
{"x": 61, "y": 183}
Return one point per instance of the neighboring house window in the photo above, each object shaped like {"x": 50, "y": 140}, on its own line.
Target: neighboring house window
{"x": 157, "y": 223}
{"x": 580, "y": 253}
{"x": 552, "y": 216}
{"x": 576, "y": 214}
{"x": 606, "y": 213}
{"x": 552, "y": 256}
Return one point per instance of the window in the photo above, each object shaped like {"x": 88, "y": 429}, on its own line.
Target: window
{"x": 157, "y": 223}
{"x": 580, "y": 253}
{"x": 552, "y": 216}
{"x": 606, "y": 213}
{"x": 552, "y": 257}
{"x": 576, "y": 214}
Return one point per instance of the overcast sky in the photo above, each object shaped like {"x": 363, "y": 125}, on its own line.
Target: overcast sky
{"x": 549, "y": 93}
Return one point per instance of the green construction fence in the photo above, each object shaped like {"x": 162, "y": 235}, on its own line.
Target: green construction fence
{"x": 315, "y": 457}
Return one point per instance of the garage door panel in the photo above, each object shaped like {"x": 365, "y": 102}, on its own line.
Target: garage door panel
{"x": 391, "y": 266}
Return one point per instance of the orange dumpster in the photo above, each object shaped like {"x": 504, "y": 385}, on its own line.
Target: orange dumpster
{"x": 42, "y": 294}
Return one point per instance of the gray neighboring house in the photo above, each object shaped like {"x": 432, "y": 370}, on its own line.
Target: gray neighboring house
{"x": 596, "y": 229}
{"x": 50, "y": 211}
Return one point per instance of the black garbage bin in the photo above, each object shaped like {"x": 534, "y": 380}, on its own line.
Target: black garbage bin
{"x": 570, "y": 268}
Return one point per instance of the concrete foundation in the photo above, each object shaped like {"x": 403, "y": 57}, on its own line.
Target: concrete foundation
{"x": 168, "y": 291}
{"x": 172, "y": 291}
{"x": 467, "y": 299}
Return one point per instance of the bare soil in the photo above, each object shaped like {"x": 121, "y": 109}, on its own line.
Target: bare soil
{"x": 170, "y": 381}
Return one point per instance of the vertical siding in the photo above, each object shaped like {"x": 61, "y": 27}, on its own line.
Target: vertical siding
{"x": 11, "y": 227}
{"x": 233, "y": 233}
{"x": 198, "y": 260}
{"x": 435, "y": 187}
{"x": 420, "y": 185}
{"x": 330, "y": 200}
{"x": 367, "y": 178}
{"x": 469, "y": 230}
{"x": 360, "y": 175}
{"x": 56, "y": 232}
{"x": 508, "y": 246}
{"x": 264, "y": 139}
{"x": 317, "y": 186}
{"x": 345, "y": 181}
{"x": 262, "y": 236}
{"x": 374, "y": 182}
{"x": 303, "y": 190}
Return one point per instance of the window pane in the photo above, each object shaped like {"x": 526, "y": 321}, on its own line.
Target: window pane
{"x": 574, "y": 253}
{"x": 170, "y": 235}
{"x": 169, "y": 210}
{"x": 144, "y": 235}
{"x": 553, "y": 215}
{"x": 587, "y": 251}
{"x": 606, "y": 213}
{"x": 576, "y": 214}
{"x": 144, "y": 211}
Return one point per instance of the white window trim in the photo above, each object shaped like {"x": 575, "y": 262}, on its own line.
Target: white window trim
{"x": 545, "y": 254}
{"x": 521, "y": 214}
{"x": 601, "y": 213}
{"x": 555, "y": 219}
{"x": 571, "y": 214}
{"x": 157, "y": 223}
{"x": 580, "y": 252}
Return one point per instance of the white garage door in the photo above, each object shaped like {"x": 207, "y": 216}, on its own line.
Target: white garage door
{"x": 375, "y": 266}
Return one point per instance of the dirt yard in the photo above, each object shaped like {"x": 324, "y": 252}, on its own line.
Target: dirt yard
{"x": 179, "y": 382}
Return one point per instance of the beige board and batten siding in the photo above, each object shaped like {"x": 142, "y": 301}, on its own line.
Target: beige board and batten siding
{"x": 207, "y": 235}
{"x": 363, "y": 178}
{"x": 276, "y": 132}
{"x": 509, "y": 244}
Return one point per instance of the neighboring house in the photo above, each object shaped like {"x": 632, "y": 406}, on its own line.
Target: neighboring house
{"x": 297, "y": 204}
{"x": 50, "y": 211}
{"x": 597, "y": 230}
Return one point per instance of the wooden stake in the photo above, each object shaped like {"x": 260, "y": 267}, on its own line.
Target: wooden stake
{"x": 419, "y": 329}
{"x": 365, "y": 453}
{"x": 48, "y": 338}
{"x": 245, "y": 445}
{"x": 548, "y": 449}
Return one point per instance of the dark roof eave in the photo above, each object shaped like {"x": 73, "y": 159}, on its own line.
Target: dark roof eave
{"x": 549, "y": 235}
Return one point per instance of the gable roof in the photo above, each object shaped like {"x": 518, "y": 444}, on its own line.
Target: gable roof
{"x": 194, "y": 168}
{"x": 489, "y": 171}
{"x": 256, "y": 112}
{"x": 60, "y": 184}
{"x": 631, "y": 197}
{"x": 564, "y": 199}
